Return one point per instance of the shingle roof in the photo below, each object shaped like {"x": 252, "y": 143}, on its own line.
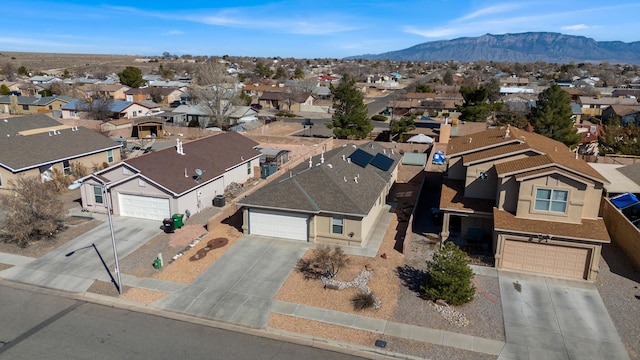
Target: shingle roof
{"x": 19, "y": 153}
{"x": 328, "y": 187}
{"x": 587, "y": 229}
{"x": 495, "y": 152}
{"x": 214, "y": 155}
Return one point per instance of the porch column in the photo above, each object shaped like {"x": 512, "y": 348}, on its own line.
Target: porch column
{"x": 444, "y": 235}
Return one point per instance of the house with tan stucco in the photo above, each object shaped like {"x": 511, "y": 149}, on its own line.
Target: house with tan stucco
{"x": 526, "y": 200}
{"x": 335, "y": 197}
{"x": 37, "y": 145}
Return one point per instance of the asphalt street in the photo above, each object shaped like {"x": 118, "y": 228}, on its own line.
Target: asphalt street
{"x": 42, "y": 326}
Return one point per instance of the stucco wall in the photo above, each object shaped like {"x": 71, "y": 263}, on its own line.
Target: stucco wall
{"x": 576, "y": 203}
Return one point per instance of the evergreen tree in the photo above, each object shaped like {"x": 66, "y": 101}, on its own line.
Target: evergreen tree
{"x": 299, "y": 74}
{"x": 402, "y": 126}
{"x": 131, "y": 76}
{"x": 448, "y": 78}
{"x": 477, "y": 103}
{"x": 449, "y": 276}
{"x": 350, "y": 112}
{"x": 551, "y": 116}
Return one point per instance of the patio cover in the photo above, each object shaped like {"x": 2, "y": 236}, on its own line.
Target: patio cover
{"x": 421, "y": 138}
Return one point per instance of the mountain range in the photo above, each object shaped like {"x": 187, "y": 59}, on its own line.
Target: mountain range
{"x": 522, "y": 47}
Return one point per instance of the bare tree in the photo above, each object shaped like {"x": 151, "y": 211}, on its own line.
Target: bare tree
{"x": 34, "y": 211}
{"x": 215, "y": 92}
{"x": 9, "y": 71}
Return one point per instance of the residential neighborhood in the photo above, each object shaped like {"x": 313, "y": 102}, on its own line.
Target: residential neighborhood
{"x": 212, "y": 199}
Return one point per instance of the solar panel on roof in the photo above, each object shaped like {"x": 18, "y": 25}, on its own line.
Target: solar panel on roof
{"x": 382, "y": 162}
{"x": 361, "y": 157}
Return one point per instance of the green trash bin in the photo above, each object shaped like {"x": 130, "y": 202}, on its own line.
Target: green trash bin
{"x": 177, "y": 220}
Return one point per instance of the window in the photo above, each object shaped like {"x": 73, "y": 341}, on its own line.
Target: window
{"x": 551, "y": 200}
{"x": 66, "y": 167}
{"x": 135, "y": 114}
{"x": 110, "y": 156}
{"x": 50, "y": 107}
{"x": 0, "y": 182}
{"x": 249, "y": 168}
{"x": 97, "y": 194}
{"x": 337, "y": 225}
{"x": 25, "y": 107}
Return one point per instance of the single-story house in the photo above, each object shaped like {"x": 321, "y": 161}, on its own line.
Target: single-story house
{"x": 25, "y": 105}
{"x": 182, "y": 179}
{"x": 35, "y": 145}
{"x": 335, "y": 197}
{"x": 119, "y": 109}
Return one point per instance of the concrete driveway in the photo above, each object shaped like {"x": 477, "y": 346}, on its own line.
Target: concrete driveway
{"x": 78, "y": 271}
{"x": 550, "y": 318}
{"x": 240, "y": 286}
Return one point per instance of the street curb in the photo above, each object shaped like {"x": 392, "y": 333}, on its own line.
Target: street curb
{"x": 273, "y": 334}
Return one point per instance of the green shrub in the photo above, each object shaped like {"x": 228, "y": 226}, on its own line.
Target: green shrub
{"x": 449, "y": 276}
{"x": 362, "y": 300}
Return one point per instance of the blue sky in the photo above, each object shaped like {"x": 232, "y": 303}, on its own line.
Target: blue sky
{"x": 300, "y": 29}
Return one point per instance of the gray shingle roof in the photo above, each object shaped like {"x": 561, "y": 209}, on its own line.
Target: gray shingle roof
{"x": 19, "y": 153}
{"x": 328, "y": 187}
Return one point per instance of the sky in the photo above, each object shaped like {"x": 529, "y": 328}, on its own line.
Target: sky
{"x": 296, "y": 28}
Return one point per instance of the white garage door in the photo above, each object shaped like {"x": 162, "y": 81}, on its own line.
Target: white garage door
{"x": 543, "y": 258}
{"x": 278, "y": 224}
{"x": 145, "y": 207}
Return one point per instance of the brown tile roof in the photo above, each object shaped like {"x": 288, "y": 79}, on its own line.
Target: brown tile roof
{"x": 531, "y": 162}
{"x": 555, "y": 152}
{"x": 495, "y": 152}
{"x": 213, "y": 154}
{"x": 587, "y": 229}
{"x": 547, "y": 170}
{"x": 452, "y": 198}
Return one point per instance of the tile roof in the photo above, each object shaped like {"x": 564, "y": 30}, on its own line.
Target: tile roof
{"x": 452, "y": 198}
{"x": 213, "y": 154}
{"x": 328, "y": 187}
{"x": 555, "y": 152}
{"x": 525, "y": 164}
{"x": 496, "y": 152}
{"x": 587, "y": 229}
{"x": 551, "y": 169}
{"x": 19, "y": 153}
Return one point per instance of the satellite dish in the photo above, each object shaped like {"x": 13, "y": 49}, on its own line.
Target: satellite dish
{"x": 198, "y": 172}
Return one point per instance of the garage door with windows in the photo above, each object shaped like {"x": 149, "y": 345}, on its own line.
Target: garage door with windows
{"x": 545, "y": 258}
{"x": 146, "y": 207}
{"x": 279, "y": 224}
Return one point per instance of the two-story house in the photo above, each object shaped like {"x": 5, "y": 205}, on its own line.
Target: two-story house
{"x": 526, "y": 198}
{"x": 25, "y": 105}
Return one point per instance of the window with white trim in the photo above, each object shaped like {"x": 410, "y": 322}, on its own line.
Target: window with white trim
{"x": 249, "y": 168}
{"x": 337, "y": 225}
{"x": 551, "y": 200}
{"x": 110, "y": 156}
{"x": 97, "y": 195}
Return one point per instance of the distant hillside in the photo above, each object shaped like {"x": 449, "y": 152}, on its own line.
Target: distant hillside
{"x": 524, "y": 47}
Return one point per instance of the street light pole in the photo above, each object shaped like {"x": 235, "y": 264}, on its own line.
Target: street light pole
{"x": 113, "y": 239}
{"x": 105, "y": 192}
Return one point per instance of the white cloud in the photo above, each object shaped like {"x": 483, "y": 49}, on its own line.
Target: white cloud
{"x": 575, "y": 27}
{"x": 496, "y": 9}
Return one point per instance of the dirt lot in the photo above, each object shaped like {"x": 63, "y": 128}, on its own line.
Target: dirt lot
{"x": 52, "y": 62}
